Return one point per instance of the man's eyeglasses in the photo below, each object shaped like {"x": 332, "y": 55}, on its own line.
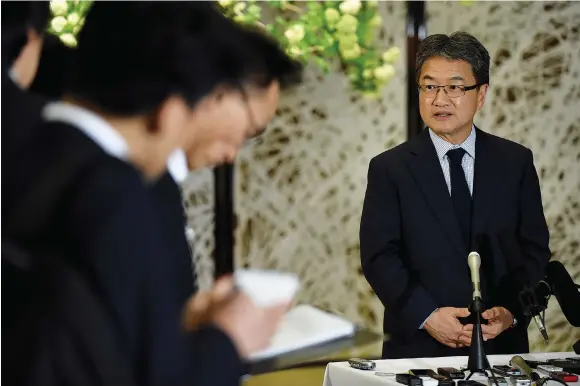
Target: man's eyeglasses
{"x": 452, "y": 91}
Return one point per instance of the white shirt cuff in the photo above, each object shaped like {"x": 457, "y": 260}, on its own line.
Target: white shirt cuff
{"x": 422, "y": 326}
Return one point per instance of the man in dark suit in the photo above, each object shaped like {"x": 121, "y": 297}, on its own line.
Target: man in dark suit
{"x": 37, "y": 69}
{"x": 151, "y": 78}
{"x": 433, "y": 199}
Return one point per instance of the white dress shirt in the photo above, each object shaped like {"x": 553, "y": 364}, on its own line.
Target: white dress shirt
{"x": 105, "y": 135}
{"x": 468, "y": 164}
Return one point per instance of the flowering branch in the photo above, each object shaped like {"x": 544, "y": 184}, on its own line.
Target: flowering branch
{"x": 325, "y": 33}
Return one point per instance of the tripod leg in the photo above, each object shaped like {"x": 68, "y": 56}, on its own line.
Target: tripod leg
{"x": 470, "y": 374}
{"x": 494, "y": 376}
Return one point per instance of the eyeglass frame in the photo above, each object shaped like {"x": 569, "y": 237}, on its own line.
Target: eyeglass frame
{"x": 464, "y": 88}
{"x": 252, "y": 121}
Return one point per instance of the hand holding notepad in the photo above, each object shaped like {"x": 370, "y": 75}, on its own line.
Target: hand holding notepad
{"x": 257, "y": 321}
{"x": 303, "y": 326}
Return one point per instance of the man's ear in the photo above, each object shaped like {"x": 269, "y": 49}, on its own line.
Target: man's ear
{"x": 171, "y": 117}
{"x": 481, "y": 94}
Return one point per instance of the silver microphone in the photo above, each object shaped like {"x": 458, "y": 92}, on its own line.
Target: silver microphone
{"x": 474, "y": 262}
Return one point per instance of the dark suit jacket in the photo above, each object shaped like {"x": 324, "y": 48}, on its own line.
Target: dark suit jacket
{"x": 412, "y": 251}
{"x": 20, "y": 113}
{"x": 109, "y": 226}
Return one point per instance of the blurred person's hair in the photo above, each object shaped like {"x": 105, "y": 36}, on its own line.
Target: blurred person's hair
{"x": 54, "y": 69}
{"x": 18, "y": 17}
{"x": 457, "y": 46}
{"x": 132, "y": 56}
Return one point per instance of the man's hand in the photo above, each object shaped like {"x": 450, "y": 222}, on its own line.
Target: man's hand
{"x": 198, "y": 308}
{"x": 250, "y": 327}
{"x": 444, "y": 326}
{"x": 498, "y": 320}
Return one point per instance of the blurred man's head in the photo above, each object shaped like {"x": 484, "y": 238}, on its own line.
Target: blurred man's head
{"x": 461, "y": 64}
{"x": 179, "y": 75}
{"x": 23, "y": 26}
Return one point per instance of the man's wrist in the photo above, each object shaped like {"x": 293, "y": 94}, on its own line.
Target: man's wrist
{"x": 422, "y": 326}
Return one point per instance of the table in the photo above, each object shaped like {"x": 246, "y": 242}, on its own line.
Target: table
{"x": 341, "y": 374}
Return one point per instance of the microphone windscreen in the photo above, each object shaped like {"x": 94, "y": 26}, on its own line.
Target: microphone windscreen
{"x": 519, "y": 363}
{"x": 565, "y": 291}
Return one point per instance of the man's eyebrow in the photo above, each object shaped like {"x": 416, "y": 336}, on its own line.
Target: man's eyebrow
{"x": 457, "y": 77}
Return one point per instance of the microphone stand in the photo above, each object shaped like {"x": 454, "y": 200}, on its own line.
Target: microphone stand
{"x": 478, "y": 362}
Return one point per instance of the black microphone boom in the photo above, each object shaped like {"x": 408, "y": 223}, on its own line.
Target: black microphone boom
{"x": 559, "y": 283}
{"x": 565, "y": 290}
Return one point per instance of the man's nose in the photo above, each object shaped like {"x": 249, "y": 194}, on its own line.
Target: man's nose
{"x": 441, "y": 98}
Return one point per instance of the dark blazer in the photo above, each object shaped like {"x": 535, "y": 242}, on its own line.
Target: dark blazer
{"x": 412, "y": 252}
{"x": 20, "y": 113}
{"x": 109, "y": 226}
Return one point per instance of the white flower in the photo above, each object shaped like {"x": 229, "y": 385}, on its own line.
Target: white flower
{"x": 376, "y": 21}
{"x": 372, "y": 3}
{"x": 347, "y": 41}
{"x": 73, "y": 18}
{"x": 367, "y": 74}
{"x": 224, "y": 3}
{"x": 351, "y": 53}
{"x": 384, "y": 73}
{"x": 68, "y": 39}
{"x": 347, "y": 24}
{"x": 392, "y": 54}
{"x": 295, "y": 33}
{"x": 331, "y": 15}
{"x": 58, "y": 24}
{"x": 350, "y": 7}
{"x": 295, "y": 51}
{"x": 238, "y": 8}
{"x": 58, "y": 7}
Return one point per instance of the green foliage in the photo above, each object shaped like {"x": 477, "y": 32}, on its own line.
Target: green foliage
{"x": 328, "y": 34}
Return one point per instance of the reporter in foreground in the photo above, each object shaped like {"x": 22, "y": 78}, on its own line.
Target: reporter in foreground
{"x": 152, "y": 79}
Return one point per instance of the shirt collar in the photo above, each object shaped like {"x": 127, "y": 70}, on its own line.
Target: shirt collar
{"x": 105, "y": 135}
{"x": 91, "y": 124}
{"x": 442, "y": 146}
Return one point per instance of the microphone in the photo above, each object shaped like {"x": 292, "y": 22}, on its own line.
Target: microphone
{"x": 474, "y": 262}
{"x": 519, "y": 363}
{"x": 559, "y": 283}
{"x": 534, "y": 302}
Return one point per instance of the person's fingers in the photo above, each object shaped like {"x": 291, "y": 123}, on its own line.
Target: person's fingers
{"x": 200, "y": 303}
{"x": 468, "y": 328}
{"x": 491, "y": 331}
{"x": 492, "y": 313}
{"x": 223, "y": 288}
{"x": 196, "y": 309}
{"x": 461, "y": 312}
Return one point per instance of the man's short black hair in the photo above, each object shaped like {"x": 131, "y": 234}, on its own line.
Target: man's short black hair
{"x": 17, "y": 18}
{"x": 131, "y": 56}
{"x": 457, "y": 46}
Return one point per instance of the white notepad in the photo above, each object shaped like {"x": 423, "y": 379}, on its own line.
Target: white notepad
{"x": 267, "y": 288}
{"x": 305, "y": 326}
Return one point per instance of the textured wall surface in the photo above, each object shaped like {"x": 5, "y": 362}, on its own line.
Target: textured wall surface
{"x": 534, "y": 100}
{"x": 300, "y": 186}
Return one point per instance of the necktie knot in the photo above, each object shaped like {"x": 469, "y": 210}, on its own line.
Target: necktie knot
{"x": 456, "y": 155}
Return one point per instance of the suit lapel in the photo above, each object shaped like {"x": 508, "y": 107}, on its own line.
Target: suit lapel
{"x": 485, "y": 180}
{"x": 426, "y": 169}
